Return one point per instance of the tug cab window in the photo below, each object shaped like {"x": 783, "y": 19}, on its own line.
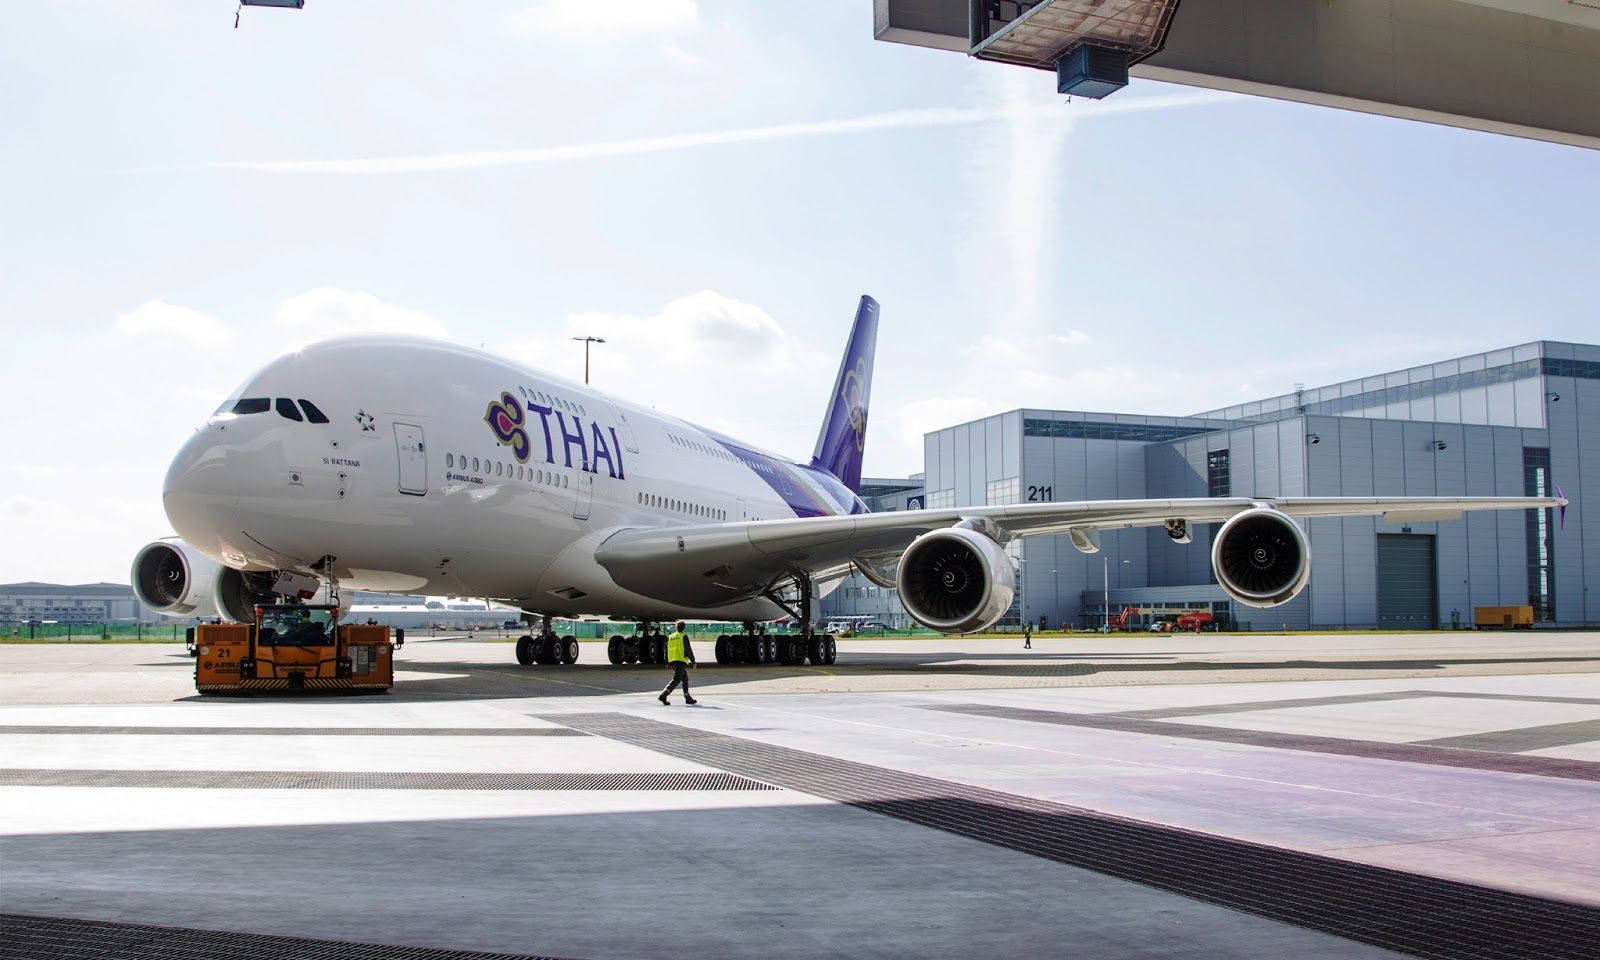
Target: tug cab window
{"x": 288, "y": 411}
{"x": 312, "y": 413}
{"x": 251, "y": 405}
{"x": 296, "y": 626}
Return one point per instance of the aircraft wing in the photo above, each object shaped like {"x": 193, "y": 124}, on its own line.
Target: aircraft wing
{"x": 713, "y": 564}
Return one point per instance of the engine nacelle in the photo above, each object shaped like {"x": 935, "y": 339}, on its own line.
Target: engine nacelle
{"x": 171, "y": 577}
{"x": 1261, "y": 558}
{"x": 956, "y": 580}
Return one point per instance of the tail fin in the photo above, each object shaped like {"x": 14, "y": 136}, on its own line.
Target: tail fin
{"x": 844, "y": 433}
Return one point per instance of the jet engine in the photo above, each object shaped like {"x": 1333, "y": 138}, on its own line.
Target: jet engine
{"x": 956, "y": 580}
{"x": 1261, "y": 558}
{"x": 171, "y": 577}
{"x": 236, "y": 593}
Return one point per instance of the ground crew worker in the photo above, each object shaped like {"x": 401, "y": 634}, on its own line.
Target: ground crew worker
{"x": 1027, "y": 634}
{"x": 681, "y": 655}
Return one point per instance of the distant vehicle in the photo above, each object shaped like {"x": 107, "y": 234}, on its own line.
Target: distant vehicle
{"x": 1121, "y": 620}
{"x": 1515, "y": 617}
{"x": 1195, "y": 620}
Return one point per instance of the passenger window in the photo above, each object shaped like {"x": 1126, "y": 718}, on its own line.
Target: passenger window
{"x": 499, "y": 468}
{"x": 449, "y": 461}
{"x": 474, "y": 464}
{"x": 288, "y": 411}
{"x": 312, "y": 413}
{"x": 563, "y": 481}
{"x": 252, "y": 405}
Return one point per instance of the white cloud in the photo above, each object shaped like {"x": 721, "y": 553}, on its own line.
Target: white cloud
{"x": 707, "y": 357}
{"x": 1051, "y": 114}
{"x": 330, "y": 312}
{"x": 170, "y": 322}
{"x": 600, "y": 21}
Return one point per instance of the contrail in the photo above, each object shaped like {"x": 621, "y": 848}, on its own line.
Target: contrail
{"x": 892, "y": 120}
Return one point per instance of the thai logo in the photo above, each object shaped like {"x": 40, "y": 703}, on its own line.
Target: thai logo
{"x": 505, "y": 419}
{"x": 852, "y": 391}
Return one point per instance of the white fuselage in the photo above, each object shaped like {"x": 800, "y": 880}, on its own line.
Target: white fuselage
{"x": 445, "y": 470}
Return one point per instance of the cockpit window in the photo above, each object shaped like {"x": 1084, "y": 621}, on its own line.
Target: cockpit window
{"x": 312, "y": 413}
{"x": 251, "y": 405}
{"x": 288, "y": 411}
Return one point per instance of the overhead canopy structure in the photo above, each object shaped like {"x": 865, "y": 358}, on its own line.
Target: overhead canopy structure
{"x": 1528, "y": 68}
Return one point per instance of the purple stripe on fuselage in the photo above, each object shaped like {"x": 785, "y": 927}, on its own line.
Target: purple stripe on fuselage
{"x": 785, "y": 480}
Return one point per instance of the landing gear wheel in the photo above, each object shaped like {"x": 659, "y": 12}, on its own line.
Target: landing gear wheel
{"x": 569, "y": 650}
{"x": 769, "y": 649}
{"x": 797, "y": 652}
{"x": 630, "y": 650}
{"x": 830, "y": 651}
{"x": 647, "y": 650}
{"x": 722, "y": 649}
{"x": 525, "y": 651}
{"x": 546, "y": 651}
{"x": 814, "y": 650}
{"x": 614, "y": 650}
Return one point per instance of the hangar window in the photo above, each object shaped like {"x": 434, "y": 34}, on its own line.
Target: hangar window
{"x": 938, "y": 499}
{"x": 312, "y": 413}
{"x": 1219, "y": 483}
{"x": 1008, "y": 490}
{"x": 288, "y": 411}
{"x": 252, "y": 405}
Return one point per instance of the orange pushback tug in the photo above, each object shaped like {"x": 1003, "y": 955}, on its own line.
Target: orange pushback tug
{"x": 294, "y": 647}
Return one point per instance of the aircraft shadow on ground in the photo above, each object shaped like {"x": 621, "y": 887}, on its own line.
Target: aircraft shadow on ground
{"x": 489, "y": 871}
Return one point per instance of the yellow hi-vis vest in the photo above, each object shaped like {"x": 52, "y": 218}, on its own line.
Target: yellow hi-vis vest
{"x": 675, "y": 652}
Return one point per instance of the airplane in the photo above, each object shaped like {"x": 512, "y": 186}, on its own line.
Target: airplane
{"x": 410, "y": 465}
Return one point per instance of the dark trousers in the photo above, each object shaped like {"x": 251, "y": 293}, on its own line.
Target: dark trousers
{"x": 680, "y": 674}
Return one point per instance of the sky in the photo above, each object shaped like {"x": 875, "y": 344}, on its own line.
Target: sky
{"x": 710, "y": 185}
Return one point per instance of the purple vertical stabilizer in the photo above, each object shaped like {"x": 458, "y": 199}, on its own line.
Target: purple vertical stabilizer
{"x": 844, "y": 432}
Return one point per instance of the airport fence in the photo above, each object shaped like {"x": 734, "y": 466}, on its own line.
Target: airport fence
{"x": 36, "y": 632}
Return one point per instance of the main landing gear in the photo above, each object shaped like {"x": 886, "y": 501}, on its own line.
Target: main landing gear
{"x": 648, "y": 646}
{"x": 790, "y": 650}
{"x": 547, "y": 649}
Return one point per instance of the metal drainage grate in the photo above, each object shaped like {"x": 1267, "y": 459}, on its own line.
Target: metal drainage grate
{"x": 301, "y": 731}
{"x": 1421, "y": 916}
{"x": 54, "y": 938}
{"x": 362, "y": 780}
{"x": 1409, "y": 752}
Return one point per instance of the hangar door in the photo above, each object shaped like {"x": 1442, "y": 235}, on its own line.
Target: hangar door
{"x": 1407, "y": 582}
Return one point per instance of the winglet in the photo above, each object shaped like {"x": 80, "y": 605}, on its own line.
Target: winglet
{"x": 843, "y": 439}
{"x": 1561, "y": 511}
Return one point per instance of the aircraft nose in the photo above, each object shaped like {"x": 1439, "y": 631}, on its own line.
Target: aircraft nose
{"x": 197, "y": 484}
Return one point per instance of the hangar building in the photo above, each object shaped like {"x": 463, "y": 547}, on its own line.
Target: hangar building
{"x": 1509, "y": 422}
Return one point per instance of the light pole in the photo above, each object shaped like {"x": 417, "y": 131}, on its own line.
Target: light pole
{"x": 1105, "y": 573}
{"x": 586, "y": 341}
{"x": 1105, "y": 596}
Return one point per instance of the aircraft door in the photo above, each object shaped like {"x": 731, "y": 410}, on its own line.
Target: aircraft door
{"x": 413, "y": 458}
{"x": 583, "y": 495}
{"x": 623, "y": 427}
